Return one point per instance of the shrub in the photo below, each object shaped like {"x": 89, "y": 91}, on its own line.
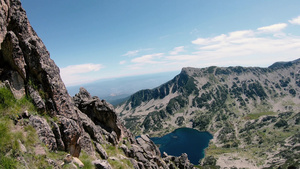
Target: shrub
{"x": 7, "y": 162}
{"x": 7, "y": 99}
{"x": 86, "y": 160}
{"x": 11, "y": 107}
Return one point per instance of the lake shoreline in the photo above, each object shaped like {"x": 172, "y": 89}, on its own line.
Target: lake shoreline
{"x": 185, "y": 140}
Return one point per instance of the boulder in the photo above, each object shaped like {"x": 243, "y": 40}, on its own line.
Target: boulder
{"x": 78, "y": 162}
{"x": 148, "y": 145}
{"x": 86, "y": 144}
{"x": 140, "y": 157}
{"x": 56, "y": 132}
{"x": 134, "y": 164}
{"x": 126, "y": 150}
{"x": 22, "y": 147}
{"x": 68, "y": 159}
{"x": 141, "y": 165}
{"x": 181, "y": 162}
{"x": 37, "y": 99}
{"x": 70, "y": 135}
{"x": 99, "y": 111}
{"x": 101, "y": 164}
{"x": 135, "y": 148}
{"x": 93, "y": 130}
{"x": 101, "y": 151}
{"x": 44, "y": 131}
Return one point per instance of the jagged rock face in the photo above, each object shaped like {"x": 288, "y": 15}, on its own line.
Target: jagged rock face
{"x": 99, "y": 111}
{"x": 26, "y": 64}
{"x": 44, "y": 131}
{"x": 24, "y": 52}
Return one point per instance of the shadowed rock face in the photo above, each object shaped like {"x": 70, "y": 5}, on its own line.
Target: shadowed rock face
{"x": 99, "y": 111}
{"x": 25, "y": 63}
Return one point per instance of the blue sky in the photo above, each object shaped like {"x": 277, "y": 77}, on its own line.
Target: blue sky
{"x": 96, "y": 39}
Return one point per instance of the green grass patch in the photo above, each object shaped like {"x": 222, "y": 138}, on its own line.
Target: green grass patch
{"x": 214, "y": 150}
{"x": 255, "y": 116}
{"x": 86, "y": 160}
{"x": 9, "y": 106}
{"x": 8, "y": 139}
{"x": 120, "y": 164}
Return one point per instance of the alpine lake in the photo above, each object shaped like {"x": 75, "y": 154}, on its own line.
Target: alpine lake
{"x": 184, "y": 140}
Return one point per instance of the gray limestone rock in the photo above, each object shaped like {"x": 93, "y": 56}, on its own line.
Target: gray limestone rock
{"x": 44, "y": 131}
{"x": 89, "y": 126}
{"x": 140, "y": 157}
{"x": 126, "y": 150}
{"x": 148, "y": 145}
{"x": 37, "y": 99}
{"x": 56, "y": 132}
{"x": 181, "y": 162}
{"x": 101, "y": 164}
{"x": 98, "y": 111}
{"x": 86, "y": 144}
{"x": 70, "y": 134}
{"x": 134, "y": 164}
{"x": 101, "y": 151}
{"x": 26, "y": 64}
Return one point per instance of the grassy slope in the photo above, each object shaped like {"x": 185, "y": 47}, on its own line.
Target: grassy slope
{"x": 15, "y": 133}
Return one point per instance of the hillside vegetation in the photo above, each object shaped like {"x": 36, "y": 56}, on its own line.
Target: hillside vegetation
{"x": 252, "y": 112}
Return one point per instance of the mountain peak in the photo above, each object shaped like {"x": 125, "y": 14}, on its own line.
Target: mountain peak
{"x": 278, "y": 65}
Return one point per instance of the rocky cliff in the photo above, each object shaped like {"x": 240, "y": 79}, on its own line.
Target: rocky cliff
{"x": 247, "y": 109}
{"x": 40, "y": 123}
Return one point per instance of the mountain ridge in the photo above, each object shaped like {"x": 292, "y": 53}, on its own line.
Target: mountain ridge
{"x": 221, "y": 100}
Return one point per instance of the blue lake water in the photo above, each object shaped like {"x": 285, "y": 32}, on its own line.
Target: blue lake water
{"x": 184, "y": 140}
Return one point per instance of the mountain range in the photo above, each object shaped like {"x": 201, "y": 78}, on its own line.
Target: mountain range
{"x": 117, "y": 90}
{"x": 253, "y": 113}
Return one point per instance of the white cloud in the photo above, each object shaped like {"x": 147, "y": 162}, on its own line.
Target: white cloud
{"x": 244, "y": 47}
{"x": 132, "y": 53}
{"x": 122, "y": 62}
{"x": 177, "y": 50}
{"x": 260, "y": 47}
{"x": 200, "y": 41}
{"x": 273, "y": 28}
{"x": 234, "y": 37}
{"x": 79, "y": 74}
{"x": 150, "y": 59}
{"x": 240, "y": 34}
{"x": 295, "y": 21}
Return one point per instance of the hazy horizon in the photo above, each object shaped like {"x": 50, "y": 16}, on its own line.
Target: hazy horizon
{"x": 110, "y": 39}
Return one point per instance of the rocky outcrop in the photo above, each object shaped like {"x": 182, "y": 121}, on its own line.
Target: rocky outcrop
{"x": 44, "y": 131}
{"x": 26, "y": 64}
{"x": 178, "y": 162}
{"x": 102, "y": 164}
{"x": 99, "y": 111}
